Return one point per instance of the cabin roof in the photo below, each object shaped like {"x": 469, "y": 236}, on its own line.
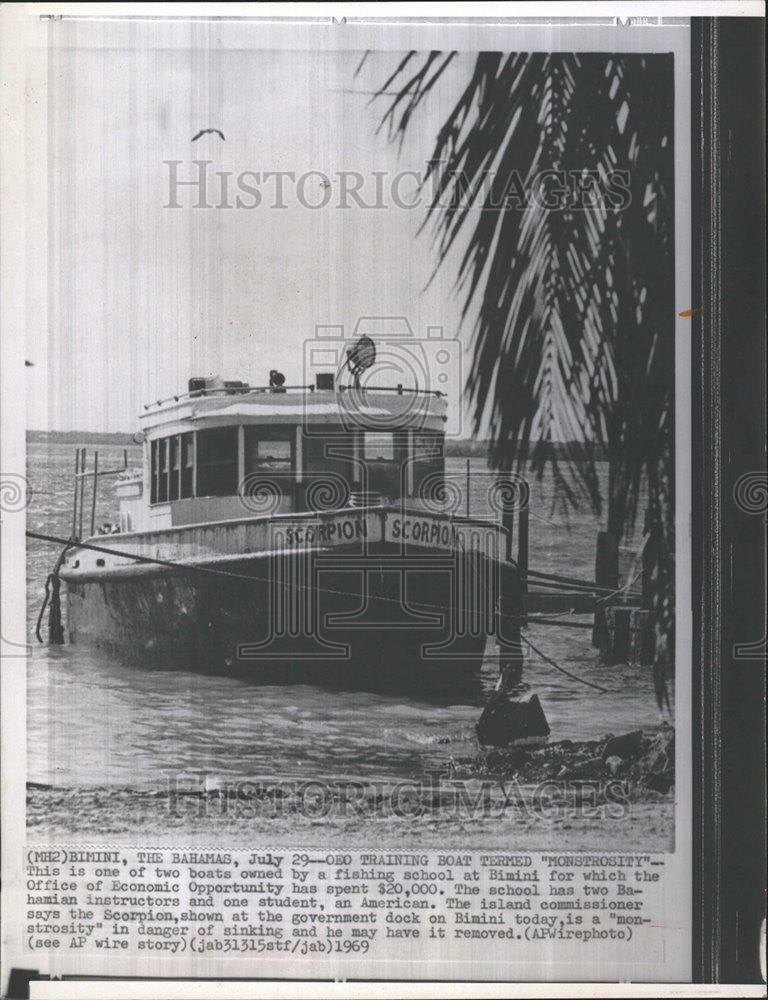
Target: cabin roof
{"x": 376, "y": 409}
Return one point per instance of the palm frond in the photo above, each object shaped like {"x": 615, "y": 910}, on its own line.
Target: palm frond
{"x": 574, "y": 333}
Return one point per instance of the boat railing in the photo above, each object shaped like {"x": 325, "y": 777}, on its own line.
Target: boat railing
{"x": 243, "y": 390}
{"x": 249, "y": 390}
{"x": 399, "y": 389}
{"x": 82, "y": 473}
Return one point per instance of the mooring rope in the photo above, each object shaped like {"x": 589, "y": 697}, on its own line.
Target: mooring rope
{"x": 552, "y": 580}
{"x": 48, "y": 581}
{"x": 568, "y": 581}
{"x": 43, "y": 606}
{"x": 502, "y": 677}
{"x": 557, "y": 622}
{"x": 515, "y": 619}
{"x": 562, "y": 670}
{"x": 182, "y": 567}
{"x": 620, "y": 591}
{"x": 155, "y": 560}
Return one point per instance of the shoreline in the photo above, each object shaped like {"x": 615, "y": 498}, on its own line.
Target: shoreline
{"x": 615, "y": 794}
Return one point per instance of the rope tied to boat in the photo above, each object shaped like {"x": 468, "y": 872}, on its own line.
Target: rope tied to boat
{"x": 53, "y": 595}
{"x": 43, "y": 606}
{"x": 180, "y": 567}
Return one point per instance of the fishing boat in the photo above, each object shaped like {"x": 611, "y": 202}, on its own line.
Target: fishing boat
{"x": 293, "y": 533}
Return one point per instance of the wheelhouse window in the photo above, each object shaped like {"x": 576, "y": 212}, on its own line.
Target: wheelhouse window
{"x": 385, "y": 457}
{"x": 328, "y": 454}
{"x": 428, "y": 459}
{"x": 187, "y": 465}
{"x": 153, "y": 470}
{"x": 393, "y": 463}
{"x": 217, "y": 462}
{"x": 268, "y": 448}
{"x": 428, "y": 447}
{"x": 329, "y": 449}
{"x": 379, "y": 447}
{"x": 162, "y": 484}
{"x": 172, "y": 468}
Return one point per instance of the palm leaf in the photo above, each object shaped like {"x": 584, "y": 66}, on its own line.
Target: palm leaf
{"x": 574, "y": 335}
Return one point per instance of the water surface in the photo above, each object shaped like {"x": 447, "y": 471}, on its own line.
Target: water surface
{"x": 93, "y": 721}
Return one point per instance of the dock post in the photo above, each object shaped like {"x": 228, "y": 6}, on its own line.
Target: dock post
{"x": 93, "y": 494}
{"x": 650, "y": 554}
{"x": 55, "y": 627}
{"x": 522, "y": 558}
{"x": 508, "y": 633}
{"x": 510, "y": 602}
{"x": 508, "y": 623}
{"x": 606, "y": 575}
{"x": 81, "y": 499}
{"x": 77, "y": 487}
{"x": 508, "y": 523}
{"x": 642, "y": 637}
{"x": 618, "y": 624}
{"x": 469, "y": 474}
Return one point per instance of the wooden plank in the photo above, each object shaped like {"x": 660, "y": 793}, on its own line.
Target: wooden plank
{"x": 606, "y": 575}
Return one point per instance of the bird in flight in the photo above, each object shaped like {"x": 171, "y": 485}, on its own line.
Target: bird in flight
{"x": 204, "y": 131}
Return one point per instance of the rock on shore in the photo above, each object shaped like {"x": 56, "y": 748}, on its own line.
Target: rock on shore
{"x": 646, "y": 763}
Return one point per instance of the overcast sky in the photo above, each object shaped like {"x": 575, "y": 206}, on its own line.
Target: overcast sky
{"x": 140, "y": 296}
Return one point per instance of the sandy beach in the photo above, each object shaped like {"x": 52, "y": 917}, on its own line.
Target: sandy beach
{"x": 616, "y": 794}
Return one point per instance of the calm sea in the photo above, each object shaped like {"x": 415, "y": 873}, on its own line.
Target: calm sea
{"x": 95, "y": 721}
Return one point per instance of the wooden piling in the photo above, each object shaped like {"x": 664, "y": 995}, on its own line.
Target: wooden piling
{"x": 617, "y": 621}
{"x": 81, "y": 498}
{"x": 93, "y": 494}
{"x": 468, "y": 484}
{"x": 508, "y": 524}
{"x": 606, "y": 575}
{"x": 522, "y": 556}
{"x": 508, "y": 620}
{"x": 55, "y": 627}
{"x": 650, "y": 560}
{"x": 77, "y": 487}
{"x": 642, "y": 638}
{"x": 510, "y": 664}
{"x": 522, "y": 546}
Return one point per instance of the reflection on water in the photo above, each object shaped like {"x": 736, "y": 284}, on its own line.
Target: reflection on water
{"x": 94, "y": 721}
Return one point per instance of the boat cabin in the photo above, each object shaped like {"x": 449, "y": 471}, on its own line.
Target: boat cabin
{"x": 227, "y": 450}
